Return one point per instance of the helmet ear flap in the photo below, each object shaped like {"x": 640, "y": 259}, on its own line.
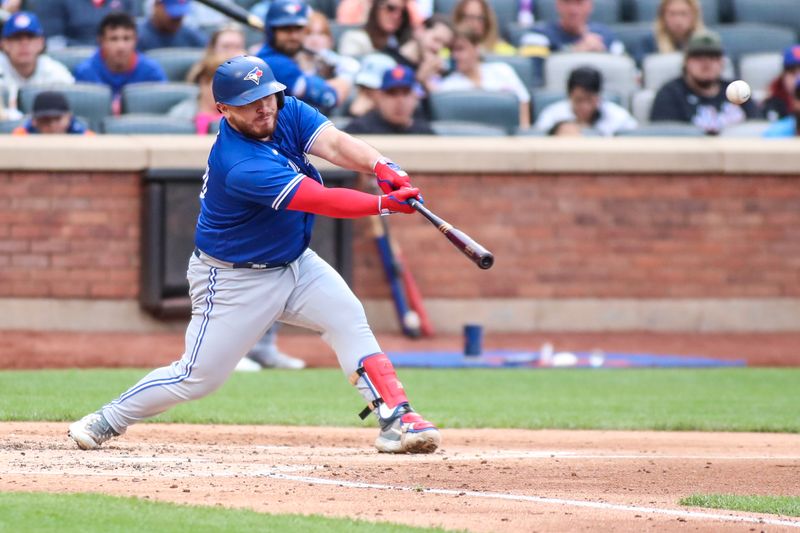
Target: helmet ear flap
{"x": 281, "y": 98}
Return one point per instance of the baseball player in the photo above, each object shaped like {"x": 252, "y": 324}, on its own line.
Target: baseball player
{"x": 252, "y": 264}
{"x": 286, "y": 23}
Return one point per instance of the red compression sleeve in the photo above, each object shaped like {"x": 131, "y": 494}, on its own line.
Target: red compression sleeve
{"x": 313, "y": 197}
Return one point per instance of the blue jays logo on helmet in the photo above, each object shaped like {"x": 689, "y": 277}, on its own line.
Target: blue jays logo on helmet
{"x": 255, "y": 75}
{"x": 245, "y": 79}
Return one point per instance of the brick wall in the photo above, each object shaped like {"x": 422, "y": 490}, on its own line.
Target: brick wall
{"x": 69, "y": 235}
{"x": 73, "y": 235}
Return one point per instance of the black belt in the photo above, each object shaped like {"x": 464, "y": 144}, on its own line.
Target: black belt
{"x": 225, "y": 264}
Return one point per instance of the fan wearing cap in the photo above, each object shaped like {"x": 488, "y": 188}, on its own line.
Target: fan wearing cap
{"x": 52, "y": 115}
{"x": 75, "y": 22}
{"x": 778, "y": 103}
{"x": 368, "y": 82}
{"x": 285, "y": 31}
{"x": 23, "y": 60}
{"x": 394, "y": 109}
{"x": 788, "y": 126}
{"x": 698, "y": 96}
{"x": 165, "y": 27}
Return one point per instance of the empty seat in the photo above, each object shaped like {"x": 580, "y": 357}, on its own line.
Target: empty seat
{"x": 494, "y": 108}
{"x": 664, "y": 129}
{"x": 747, "y": 38}
{"x": 605, "y": 11}
{"x": 778, "y": 12}
{"x": 632, "y": 34}
{"x": 154, "y": 97}
{"x": 619, "y": 72}
{"x": 176, "y": 62}
{"x": 647, "y": 10}
{"x": 89, "y": 100}
{"x": 458, "y": 128}
{"x": 641, "y": 104}
{"x": 72, "y": 56}
{"x": 749, "y": 128}
{"x": 760, "y": 69}
{"x": 146, "y": 124}
{"x": 658, "y": 69}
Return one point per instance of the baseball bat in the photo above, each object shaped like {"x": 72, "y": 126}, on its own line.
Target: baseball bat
{"x": 409, "y": 320}
{"x": 466, "y": 244}
{"x": 413, "y": 294}
{"x": 236, "y": 12}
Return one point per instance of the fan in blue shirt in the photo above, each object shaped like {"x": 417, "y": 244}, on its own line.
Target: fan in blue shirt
{"x": 165, "y": 27}
{"x": 573, "y": 32}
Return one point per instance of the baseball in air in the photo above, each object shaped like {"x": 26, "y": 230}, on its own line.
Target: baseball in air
{"x": 738, "y": 92}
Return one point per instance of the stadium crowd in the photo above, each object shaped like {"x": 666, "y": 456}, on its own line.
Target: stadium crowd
{"x": 447, "y": 67}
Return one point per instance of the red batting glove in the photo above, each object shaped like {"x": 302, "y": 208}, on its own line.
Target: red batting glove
{"x": 390, "y": 176}
{"x": 397, "y": 201}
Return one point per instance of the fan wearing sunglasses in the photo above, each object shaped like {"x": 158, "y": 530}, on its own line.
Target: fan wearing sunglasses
{"x": 388, "y": 27}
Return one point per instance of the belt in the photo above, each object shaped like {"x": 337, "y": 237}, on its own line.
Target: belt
{"x": 225, "y": 264}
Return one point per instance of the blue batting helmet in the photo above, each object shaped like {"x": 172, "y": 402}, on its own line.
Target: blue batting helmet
{"x": 283, "y": 13}
{"x": 245, "y": 79}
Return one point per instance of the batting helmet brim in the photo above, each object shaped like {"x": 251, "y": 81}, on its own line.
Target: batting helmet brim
{"x": 256, "y": 93}
{"x": 289, "y": 20}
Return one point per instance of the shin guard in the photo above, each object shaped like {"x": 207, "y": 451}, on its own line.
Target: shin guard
{"x": 378, "y": 373}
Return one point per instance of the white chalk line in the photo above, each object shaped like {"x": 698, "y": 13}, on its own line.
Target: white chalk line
{"x": 541, "y": 499}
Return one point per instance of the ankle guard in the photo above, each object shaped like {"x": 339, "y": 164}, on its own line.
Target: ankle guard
{"x": 378, "y": 373}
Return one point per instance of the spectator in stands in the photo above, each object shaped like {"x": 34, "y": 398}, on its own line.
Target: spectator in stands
{"x": 75, "y": 22}
{"x": 51, "y": 114}
{"x": 286, "y": 24}
{"x": 354, "y": 12}
{"x": 478, "y": 16}
{"x": 676, "y": 22}
{"x": 423, "y": 53}
{"x": 202, "y": 110}
{"x": 165, "y": 28}
{"x": 395, "y": 105}
{"x": 318, "y": 58}
{"x": 116, "y": 62}
{"x": 12, "y": 6}
{"x": 226, "y": 42}
{"x": 586, "y": 107}
{"x": 388, "y": 27}
{"x": 788, "y": 126}
{"x": 368, "y": 82}
{"x": 779, "y": 101}
{"x": 23, "y": 61}
{"x": 472, "y": 73}
{"x": 574, "y": 32}
{"x": 698, "y": 97}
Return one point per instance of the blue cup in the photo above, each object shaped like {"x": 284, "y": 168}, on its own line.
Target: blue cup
{"x": 473, "y": 338}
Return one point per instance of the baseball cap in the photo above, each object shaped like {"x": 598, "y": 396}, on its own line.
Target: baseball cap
{"x": 400, "y": 76}
{"x": 791, "y": 57}
{"x": 50, "y": 104}
{"x": 176, "y": 8}
{"x": 22, "y": 22}
{"x": 373, "y": 67}
{"x": 705, "y": 43}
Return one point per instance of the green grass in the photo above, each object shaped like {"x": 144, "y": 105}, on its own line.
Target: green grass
{"x": 780, "y": 505}
{"x": 80, "y": 513}
{"x": 738, "y": 399}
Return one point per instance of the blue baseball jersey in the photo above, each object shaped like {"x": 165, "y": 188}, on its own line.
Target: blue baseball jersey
{"x": 249, "y": 183}
{"x": 94, "y": 70}
{"x": 314, "y": 89}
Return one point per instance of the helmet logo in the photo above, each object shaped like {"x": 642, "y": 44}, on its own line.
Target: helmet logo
{"x": 293, "y": 8}
{"x": 254, "y": 75}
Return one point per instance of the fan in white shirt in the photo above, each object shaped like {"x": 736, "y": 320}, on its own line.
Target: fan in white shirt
{"x": 585, "y": 107}
{"x": 472, "y": 73}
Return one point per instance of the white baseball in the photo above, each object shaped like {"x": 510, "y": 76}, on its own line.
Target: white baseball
{"x": 738, "y": 92}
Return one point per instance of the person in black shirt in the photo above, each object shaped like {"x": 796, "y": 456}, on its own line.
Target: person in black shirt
{"x": 394, "y": 109}
{"x": 698, "y": 97}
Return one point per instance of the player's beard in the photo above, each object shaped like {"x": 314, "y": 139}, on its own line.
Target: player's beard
{"x": 259, "y": 129}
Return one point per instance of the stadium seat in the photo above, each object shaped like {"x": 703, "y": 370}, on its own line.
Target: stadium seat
{"x": 146, "y": 124}
{"x": 176, "y": 62}
{"x": 4, "y": 96}
{"x": 647, "y": 10}
{"x": 523, "y": 66}
{"x": 641, "y": 104}
{"x": 749, "y": 128}
{"x": 760, "y": 69}
{"x": 664, "y": 129}
{"x": 494, "y": 108}
{"x": 154, "y": 97}
{"x": 619, "y": 72}
{"x": 530, "y": 132}
{"x": 89, "y": 100}
{"x": 747, "y": 38}
{"x": 326, "y": 7}
{"x": 72, "y": 56}
{"x": 658, "y": 69}
{"x": 778, "y": 12}
{"x": 7, "y": 126}
{"x": 459, "y": 128}
{"x": 337, "y": 30}
{"x": 632, "y": 34}
{"x": 605, "y": 11}
{"x": 541, "y": 98}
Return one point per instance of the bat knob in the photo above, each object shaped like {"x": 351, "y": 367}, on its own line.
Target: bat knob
{"x": 486, "y": 261}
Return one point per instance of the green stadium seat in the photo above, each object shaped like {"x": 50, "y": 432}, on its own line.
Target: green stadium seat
{"x": 748, "y": 38}
{"x": 72, "y": 56}
{"x": 91, "y": 101}
{"x": 458, "y": 128}
{"x": 664, "y": 129}
{"x": 778, "y": 12}
{"x": 493, "y": 108}
{"x": 154, "y": 97}
{"x": 176, "y": 62}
